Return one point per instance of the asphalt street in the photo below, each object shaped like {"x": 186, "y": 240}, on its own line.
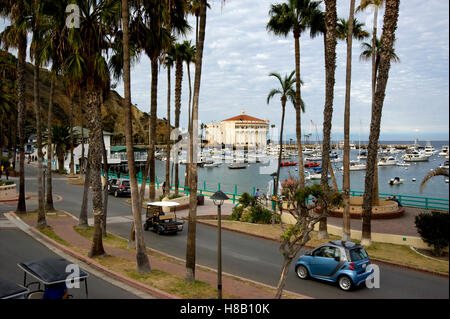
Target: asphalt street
{"x": 250, "y": 257}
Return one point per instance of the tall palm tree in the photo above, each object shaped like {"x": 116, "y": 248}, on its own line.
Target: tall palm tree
{"x": 387, "y": 48}
{"x": 15, "y": 36}
{"x": 287, "y": 92}
{"x": 192, "y": 218}
{"x": 347, "y": 30}
{"x": 436, "y": 172}
{"x": 295, "y": 16}
{"x": 169, "y": 60}
{"x": 142, "y": 262}
{"x": 87, "y": 64}
{"x": 329, "y": 30}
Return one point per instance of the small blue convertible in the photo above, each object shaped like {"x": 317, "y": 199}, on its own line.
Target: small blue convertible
{"x": 342, "y": 262}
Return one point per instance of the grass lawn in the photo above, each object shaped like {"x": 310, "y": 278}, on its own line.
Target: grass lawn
{"x": 400, "y": 254}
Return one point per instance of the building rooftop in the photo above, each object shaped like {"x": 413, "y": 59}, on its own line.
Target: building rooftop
{"x": 243, "y": 117}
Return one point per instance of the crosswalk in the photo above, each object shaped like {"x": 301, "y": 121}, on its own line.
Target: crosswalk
{"x": 5, "y": 223}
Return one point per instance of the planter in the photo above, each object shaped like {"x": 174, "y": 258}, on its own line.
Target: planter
{"x": 183, "y": 201}
{"x": 8, "y": 192}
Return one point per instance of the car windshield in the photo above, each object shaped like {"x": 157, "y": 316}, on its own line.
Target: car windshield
{"x": 126, "y": 183}
{"x": 358, "y": 254}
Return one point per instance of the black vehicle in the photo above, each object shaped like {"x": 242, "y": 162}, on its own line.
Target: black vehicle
{"x": 119, "y": 187}
{"x": 160, "y": 222}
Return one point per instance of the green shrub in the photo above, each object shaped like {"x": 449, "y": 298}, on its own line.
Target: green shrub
{"x": 433, "y": 228}
{"x": 237, "y": 212}
{"x": 246, "y": 200}
{"x": 261, "y": 215}
{"x": 6, "y": 183}
{"x": 246, "y": 216}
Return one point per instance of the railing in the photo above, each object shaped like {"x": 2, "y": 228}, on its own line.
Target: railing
{"x": 208, "y": 189}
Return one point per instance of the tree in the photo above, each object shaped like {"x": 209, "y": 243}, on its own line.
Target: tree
{"x": 15, "y": 36}
{"x": 142, "y": 262}
{"x": 347, "y": 30}
{"x": 437, "y": 172}
{"x": 286, "y": 92}
{"x": 433, "y": 228}
{"x": 296, "y": 236}
{"x": 168, "y": 63}
{"x": 387, "y": 47}
{"x": 295, "y": 16}
{"x": 192, "y": 218}
{"x": 61, "y": 141}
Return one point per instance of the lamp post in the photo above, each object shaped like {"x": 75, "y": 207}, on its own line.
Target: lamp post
{"x": 219, "y": 197}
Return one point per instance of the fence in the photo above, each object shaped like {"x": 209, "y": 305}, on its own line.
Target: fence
{"x": 208, "y": 189}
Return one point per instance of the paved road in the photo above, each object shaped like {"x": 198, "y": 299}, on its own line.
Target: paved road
{"x": 17, "y": 246}
{"x": 255, "y": 258}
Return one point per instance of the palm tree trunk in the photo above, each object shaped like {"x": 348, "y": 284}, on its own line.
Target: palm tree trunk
{"x": 82, "y": 133}
{"x": 275, "y": 187}
{"x": 348, "y": 81}
{"x": 376, "y": 197}
{"x": 330, "y": 67}
{"x": 49, "y": 201}
{"x": 167, "y": 190}
{"x": 71, "y": 166}
{"x": 298, "y": 110}
{"x": 95, "y": 147}
{"x": 21, "y": 206}
{"x": 178, "y": 84}
{"x": 41, "y": 221}
{"x": 388, "y": 37}
{"x": 105, "y": 186}
{"x": 153, "y": 123}
{"x": 142, "y": 262}
{"x": 191, "y": 236}
{"x": 83, "y": 219}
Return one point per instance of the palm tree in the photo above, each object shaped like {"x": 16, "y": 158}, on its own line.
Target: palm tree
{"x": 15, "y": 36}
{"x": 387, "y": 48}
{"x": 86, "y": 64}
{"x": 329, "y": 30}
{"x": 142, "y": 262}
{"x": 347, "y": 30}
{"x": 61, "y": 141}
{"x": 295, "y": 16}
{"x": 192, "y": 219}
{"x": 169, "y": 60}
{"x": 287, "y": 92}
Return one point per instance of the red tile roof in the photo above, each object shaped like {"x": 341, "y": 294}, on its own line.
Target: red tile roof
{"x": 244, "y": 117}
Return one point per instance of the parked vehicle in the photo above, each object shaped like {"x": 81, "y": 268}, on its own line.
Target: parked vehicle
{"x": 160, "y": 222}
{"x": 341, "y": 262}
{"x": 119, "y": 187}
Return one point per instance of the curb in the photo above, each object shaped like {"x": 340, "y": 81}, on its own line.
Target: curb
{"x": 437, "y": 273}
{"x": 214, "y": 270}
{"x": 147, "y": 289}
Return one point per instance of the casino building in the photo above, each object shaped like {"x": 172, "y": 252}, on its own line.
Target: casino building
{"x": 239, "y": 131}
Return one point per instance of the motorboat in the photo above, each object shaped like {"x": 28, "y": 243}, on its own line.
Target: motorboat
{"x": 392, "y": 150}
{"x": 362, "y": 155}
{"x": 356, "y": 166}
{"x": 336, "y": 160}
{"x": 311, "y": 164}
{"x": 308, "y": 151}
{"x": 415, "y": 157}
{"x": 396, "y": 181}
{"x": 387, "y": 161}
{"x": 211, "y": 164}
{"x": 444, "y": 165}
{"x": 313, "y": 158}
{"x": 403, "y": 164}
{"x": 237, "y": 166}
{"x": 444, "y": 151}
{"x": 429, "y": 149}
{"x": 287, "y": 163}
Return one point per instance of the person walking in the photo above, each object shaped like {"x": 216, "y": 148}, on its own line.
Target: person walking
{"x": 164, "y": 188}
{"x": 7, "y": 174}
{"x": 257, "y": 193}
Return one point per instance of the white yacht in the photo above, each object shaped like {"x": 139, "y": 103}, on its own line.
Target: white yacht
{"x": 362, "y": 155}
{"x": 415, "y": 157}
{"x": 392, "y": 150}
{"x": 308, "y": 151}
{"x": 429, "y": 149}
{"x": 356, "y": 166}
{"x": 387, "y": 161}
{"x": 444, "y": 150}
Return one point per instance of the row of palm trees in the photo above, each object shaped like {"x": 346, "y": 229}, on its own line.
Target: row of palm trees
{"x": 110, "y": 35}
{"x": 298, "y": 16}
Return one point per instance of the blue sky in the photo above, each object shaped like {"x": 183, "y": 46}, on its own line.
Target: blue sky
{"x": 239, "y": 54}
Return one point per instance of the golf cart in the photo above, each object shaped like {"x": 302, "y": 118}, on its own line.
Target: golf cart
{"x": 11, "y": 290}
{"x": 54, "y": 274}
{"x": 161, "y": 222}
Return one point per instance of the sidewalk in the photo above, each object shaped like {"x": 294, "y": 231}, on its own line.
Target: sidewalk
{"x": 63, "y": 227}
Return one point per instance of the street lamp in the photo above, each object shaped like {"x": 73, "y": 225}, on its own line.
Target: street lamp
{"x": 219, "y": 197}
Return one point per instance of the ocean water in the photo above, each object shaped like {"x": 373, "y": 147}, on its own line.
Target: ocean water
{"x": 250, "y": 178}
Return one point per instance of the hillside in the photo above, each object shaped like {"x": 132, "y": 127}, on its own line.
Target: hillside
{"x": 112, "y": 110}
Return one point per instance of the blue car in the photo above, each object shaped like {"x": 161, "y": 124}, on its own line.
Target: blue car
{"x": 341, "y": 262}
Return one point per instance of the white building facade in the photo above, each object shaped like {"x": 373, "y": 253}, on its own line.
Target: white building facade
{"x": 239, "y": 131}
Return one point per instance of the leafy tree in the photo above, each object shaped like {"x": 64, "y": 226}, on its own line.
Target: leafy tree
{"x": 433, "y": 228}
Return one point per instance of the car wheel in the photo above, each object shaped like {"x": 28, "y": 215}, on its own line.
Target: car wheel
{"x": 345, "y": 283}
{"x": 116, "y": 194}
{"x": 302, "y": 272}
